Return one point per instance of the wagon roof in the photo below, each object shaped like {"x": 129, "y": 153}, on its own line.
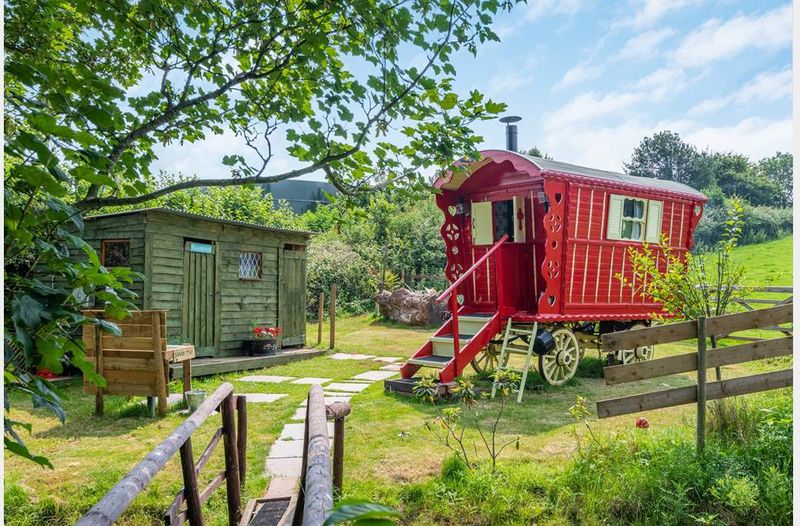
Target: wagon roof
{"x": 203, "y": 218}
{"x": 548, "y": 165}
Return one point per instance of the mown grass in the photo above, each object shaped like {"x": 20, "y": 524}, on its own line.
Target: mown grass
{"x": 391, "y": 457}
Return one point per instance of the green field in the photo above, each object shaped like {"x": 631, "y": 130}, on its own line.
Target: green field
{"x": 391, "y": 456}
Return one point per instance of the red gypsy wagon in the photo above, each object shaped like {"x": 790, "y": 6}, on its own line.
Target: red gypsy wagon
{"x": 534, "y": 250}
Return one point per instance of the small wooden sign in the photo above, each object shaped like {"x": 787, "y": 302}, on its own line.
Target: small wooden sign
{"x": 181, "y": 353}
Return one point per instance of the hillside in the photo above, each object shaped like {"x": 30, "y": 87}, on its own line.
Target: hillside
{"x": 767, "y": 263}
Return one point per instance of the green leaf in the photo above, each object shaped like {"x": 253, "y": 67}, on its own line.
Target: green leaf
{"x": 91, "y": 175}
{"x": 19, "y": 449}
{"x": 360, "y": 511}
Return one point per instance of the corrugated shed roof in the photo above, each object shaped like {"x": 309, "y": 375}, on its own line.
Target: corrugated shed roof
{"x": 549, "y": 165}
{"x": 202, "y": 218}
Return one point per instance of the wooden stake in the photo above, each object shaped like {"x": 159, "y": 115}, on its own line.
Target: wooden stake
{"x": 338, "y": 454}
{"x": 333, "y": 316}
{"x": 232, "y": 484}
{"x": 701, "y": 384}
{"x": 241, "y": 437}
{"x": 187, "y": 375}
{"x": 321, "y": 315}
{"x": 98, "y": 352}
{"x": 158, "y": 358}
{"x": 190, "y": 491}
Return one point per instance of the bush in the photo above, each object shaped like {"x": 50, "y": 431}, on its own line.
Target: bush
{"x": 761, "y": 223}
{"x": 331, "y": 260}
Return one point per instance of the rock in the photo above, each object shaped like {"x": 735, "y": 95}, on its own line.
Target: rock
{"x": 413, "y": 308}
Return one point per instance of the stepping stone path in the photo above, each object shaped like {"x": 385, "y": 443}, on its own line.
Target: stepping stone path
{"x": 262, "y": 398}
{"x": 345, "y": 356}
{"x": 312, "y": 381}
{"x": 285, "y": 460}
{"x": 374, "y": 376}
{"x": 266, "y": 379}
{"x": 349, "y": 388}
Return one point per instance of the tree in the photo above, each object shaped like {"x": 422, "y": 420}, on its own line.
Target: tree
{"x": 91, "y": 88}
{"x": 536, "y": 152}
{"x": 737, "y": 177}
{"x": 779, "y": 169}
{"x": 666, "y": 156}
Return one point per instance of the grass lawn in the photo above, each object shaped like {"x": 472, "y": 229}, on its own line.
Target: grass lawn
{"x": 388, "y": 447}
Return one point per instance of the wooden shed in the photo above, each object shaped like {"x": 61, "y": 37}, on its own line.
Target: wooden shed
{"x": 215, "y": 277}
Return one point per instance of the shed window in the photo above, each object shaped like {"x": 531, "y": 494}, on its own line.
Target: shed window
{"x": 634, "y": 219}
{"x": 115, "y": 253}
{"x": 249, "y": 265}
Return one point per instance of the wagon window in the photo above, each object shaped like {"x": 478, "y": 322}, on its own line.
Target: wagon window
{"x": 633, "y": 219}
{"x": 115, "y": 253}
{"x": 249, "y": 265}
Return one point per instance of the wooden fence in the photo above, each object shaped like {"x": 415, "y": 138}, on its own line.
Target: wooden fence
{"x": 233, "y": 434}
{"x": 717, "y": 327}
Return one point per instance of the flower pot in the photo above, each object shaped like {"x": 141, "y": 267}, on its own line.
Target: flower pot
{"x": 260, "y": 347}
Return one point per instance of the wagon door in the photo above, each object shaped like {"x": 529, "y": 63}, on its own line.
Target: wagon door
{"x": 293, "y": 295}
{"x": 199, "y": 281}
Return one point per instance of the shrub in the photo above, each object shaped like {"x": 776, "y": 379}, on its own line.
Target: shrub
{"x": 761, "y": 223}
{"x": 330, "y": 260}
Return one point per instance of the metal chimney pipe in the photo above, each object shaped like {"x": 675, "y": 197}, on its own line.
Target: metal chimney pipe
{"x": 511, "y": 132}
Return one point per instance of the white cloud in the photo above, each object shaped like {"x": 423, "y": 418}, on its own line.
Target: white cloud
{"x": 765, "y": 88}
{"x": 578, "y": 74}
{"x": 663, "y": 83}
{"x": 755, "y": 137}
{"x": 644, "y": 46}
{"x": 544, "y": 8}
{"x": 720, "y": 40}
{"x": 590, "y": 106}
{"x": 648, "y": 12}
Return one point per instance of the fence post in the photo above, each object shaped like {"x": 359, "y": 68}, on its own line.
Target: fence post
{"x": 241, "y": 437}
{"x": 190, "y": 490}
{"x": 234, "y": 490}
{"x": 320, "y": 317}
{"x": 98, "y": 360}
{"x": 337, "y": 412}
{"x": 333, "y": 316}
{"x": 701, "y": 384}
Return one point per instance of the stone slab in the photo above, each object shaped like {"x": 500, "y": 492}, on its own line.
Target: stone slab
{"x": 286, "y": 449}
{"x": 392, "y": 367}
{"x": 387, "y": 359}
{"x": 298, "y": 431}
{"x": 266, "y": 379}
{"x": 284, "y": 467}
{"x": 282, "y": 487}
{"x": 299, "y": 414}
{"x": 374, "y": 376}
{"x": 346, "y": 356}
{"x": 332, "y": 399}
{"x": 312, "y": 381}
{"x": 262, "y": 398}
{"x": 346, "y": 387}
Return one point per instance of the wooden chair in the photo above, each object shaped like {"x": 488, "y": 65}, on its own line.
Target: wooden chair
{"x": 134, "y": 364}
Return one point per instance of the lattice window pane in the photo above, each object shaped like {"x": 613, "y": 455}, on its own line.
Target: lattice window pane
{"x": 249, "y": 265}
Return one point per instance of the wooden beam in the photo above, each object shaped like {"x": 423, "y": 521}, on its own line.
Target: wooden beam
{"x": 719, "y": 326}
{"x": 318, "y": 487}
{"x": 688, "y": 395}
{"x": 684, "y": 363}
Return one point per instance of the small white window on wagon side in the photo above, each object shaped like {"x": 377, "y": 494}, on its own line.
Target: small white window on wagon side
{"x": 634, "y": 219}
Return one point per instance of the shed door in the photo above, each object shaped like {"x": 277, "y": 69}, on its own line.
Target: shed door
{"x": 198, "y": 296}
{"x": 482, "y": 223}
{"x": 293, "y": 296}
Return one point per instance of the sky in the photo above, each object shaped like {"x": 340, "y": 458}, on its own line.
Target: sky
{"x": 591, "y": 78}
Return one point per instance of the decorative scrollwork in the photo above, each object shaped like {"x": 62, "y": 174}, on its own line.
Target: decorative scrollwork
{"x": 451, "y": 231}
{"x": 555, "y": 222}
{"x": 552, "y": 269}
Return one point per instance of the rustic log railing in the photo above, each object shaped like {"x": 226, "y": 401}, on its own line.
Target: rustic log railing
{"x": 317, "y": 483}
{"x": 716, "y": 327}
{"x": 234, "y": 414}
{"x": 452, "y": 291}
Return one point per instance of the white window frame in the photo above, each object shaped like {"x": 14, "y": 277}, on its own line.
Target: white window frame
{"x": 650, "y": 221}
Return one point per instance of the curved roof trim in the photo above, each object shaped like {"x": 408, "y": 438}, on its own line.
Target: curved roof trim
{"x": 568, "y": 171}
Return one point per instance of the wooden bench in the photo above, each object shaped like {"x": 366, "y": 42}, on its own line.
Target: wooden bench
{"x": 136, "y": 363}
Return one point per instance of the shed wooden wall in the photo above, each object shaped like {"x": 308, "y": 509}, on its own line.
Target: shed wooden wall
{"x": 157, "y": 250}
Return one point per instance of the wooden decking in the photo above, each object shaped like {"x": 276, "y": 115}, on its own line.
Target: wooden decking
{"x": 227, "y": 364}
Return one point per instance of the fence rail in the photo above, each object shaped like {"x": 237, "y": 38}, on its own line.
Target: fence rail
{"x": 716, "y": 327}
{"x": 120, "y": 497}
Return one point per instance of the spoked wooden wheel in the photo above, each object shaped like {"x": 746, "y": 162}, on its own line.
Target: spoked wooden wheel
{"x": 487, "y": 360}
{"x": 637, "y": 354}
{"x": 561, "y": 363}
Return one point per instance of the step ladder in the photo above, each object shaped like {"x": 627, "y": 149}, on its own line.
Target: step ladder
{"x": 510, "y": 348}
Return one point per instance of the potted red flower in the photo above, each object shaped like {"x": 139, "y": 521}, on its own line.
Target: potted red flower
{"x": 263, "y": 340}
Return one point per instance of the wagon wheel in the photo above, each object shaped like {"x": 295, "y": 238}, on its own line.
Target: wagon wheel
{"x": 485, "y": 364}
{"x": 637, "y": 354}
{"x": 561, "y": 363}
